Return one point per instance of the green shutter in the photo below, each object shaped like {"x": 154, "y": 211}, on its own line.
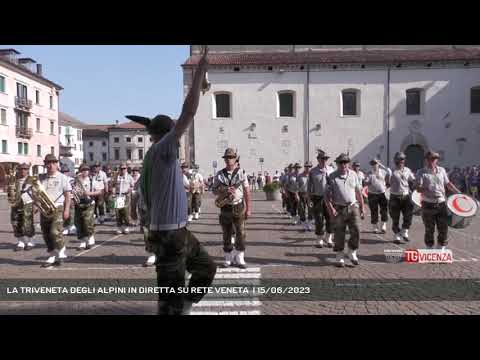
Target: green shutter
{"x": 2, "y": 84}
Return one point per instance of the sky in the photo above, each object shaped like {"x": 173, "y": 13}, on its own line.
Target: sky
{"x": 103, "y": 83}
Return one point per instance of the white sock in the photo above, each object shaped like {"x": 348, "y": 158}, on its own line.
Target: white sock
{"x": 21, "y": 241}
{"x": 61, "y": 253}
{"x": 30, "y": 241}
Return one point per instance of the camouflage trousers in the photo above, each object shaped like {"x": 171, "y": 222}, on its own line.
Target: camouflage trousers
{"x": 196, "y": 202}
{"x": 435, "y": 215}
{"x": 232, "y": 217}
{"x": 99, "y": 205}
{"x": 322, "y": 216}
{"x": 347, "y": 216}
{"x": 304, "y": 208}
{"x": 21, "y": 218}
{"x": 400, "y": 204}
{"x": 52, "y": 230}
{"x": 178, "y": 251}
{"x": 123, "y": 215}
{"x": 84, "y": 221}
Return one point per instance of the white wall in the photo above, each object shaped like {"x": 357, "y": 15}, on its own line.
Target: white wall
{"x": 97, "y": 148}
{"x": 447, "y": 100}
{"x": 75, "y": 143}
{"x": 123, "y": 145}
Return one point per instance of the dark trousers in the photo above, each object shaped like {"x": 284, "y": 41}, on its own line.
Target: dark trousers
{"x": 189, "y": 203}
{"x": 123, "y": 215}
{"x": 400, "y": 204}
{"x": 99, "y": 205}
{"x": 293, "y": 203}
{"x": 232, "y": 218}
{"x": 178, "y": 251}
{"x": 435, "y": 215}
{"x": 196, "y": 202}
{"x": 376, "y": 201}
{"x": 22, "y": 220}
{"x": 284, "y": 202}
{"x": 347, "y": 216}
{"x": 84, "y": 221}
{"x": 304, "y": 208}
{"x": 322, "y": 216}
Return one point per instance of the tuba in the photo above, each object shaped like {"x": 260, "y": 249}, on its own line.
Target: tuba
{"x": 79, "y": 194}
{"x": 11, "y": 184}
{"x": 40, "y": 198}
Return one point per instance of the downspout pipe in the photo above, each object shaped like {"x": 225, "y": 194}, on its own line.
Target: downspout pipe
{"x": 388, "y": 114}
{"x": 307, "y": 116}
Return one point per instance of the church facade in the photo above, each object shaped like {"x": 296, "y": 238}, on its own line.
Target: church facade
{"x": 279, "y": 104}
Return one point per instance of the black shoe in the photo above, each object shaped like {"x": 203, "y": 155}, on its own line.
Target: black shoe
{"x": 18, "y": 248}
{"x": 58, "y": 262}
{"x": 28, "y": 248}
{"x": 48, "y": 265}
{"x": 330, "y": 245}
{"x": 241, "y": 266}
{"x": 398, "y": 242}
{"x": 406, "y": 239}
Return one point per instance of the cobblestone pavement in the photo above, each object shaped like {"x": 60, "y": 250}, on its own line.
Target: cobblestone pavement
{"x": 279, "y": 255}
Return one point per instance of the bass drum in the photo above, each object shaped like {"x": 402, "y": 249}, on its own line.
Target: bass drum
{"x": 461, "y": 210}
{"x": 416, "y": 198}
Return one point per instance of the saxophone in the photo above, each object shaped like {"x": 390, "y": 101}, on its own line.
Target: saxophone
{"x": 224, "y": 198}
{"x": 11, "y": 184}
{"x": 40, "y": 198}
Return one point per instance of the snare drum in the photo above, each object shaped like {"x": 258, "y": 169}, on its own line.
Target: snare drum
{"x": 461, "y": 209}
{"x": 416, "y": 199}
{"x": 119, "y": 202}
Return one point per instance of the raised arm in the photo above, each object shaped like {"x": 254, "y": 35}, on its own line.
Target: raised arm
{"x": 190, "y": 105}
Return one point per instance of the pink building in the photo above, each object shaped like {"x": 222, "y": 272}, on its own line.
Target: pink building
{"x": 29, "y": 105}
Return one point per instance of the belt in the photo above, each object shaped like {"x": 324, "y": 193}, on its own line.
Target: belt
{"x": 400, "y": 195}
{"x": 344, "y": 206}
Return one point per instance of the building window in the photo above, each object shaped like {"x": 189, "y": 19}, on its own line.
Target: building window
{"x": 90, "y": 143}
{"x": 52, "y": 150}
{"x": 38, "y": 124}
{"x": 222, "y": 105}
{"x": 413, "y": 101}
{"x": 2, "y": 84}
{"x": 80, "y": 147}
{"x": 74, "y": 146}
{"x": 77, "y": 161}
{"x": 39, "y": 150}
{"x": 140, "y": 139}
{"x": 140, "y": 154}
{"x": 90, "y": 155}
{"x": 128, "y": 139}
{"x": 104, "y": 143}
{"x": 25, "y": 148}
{"x": 21, "y": 91}
{"x": 51, "y": 102}
{"x": 475, "y": 100}
{"x": 286, "y": 104}
{"x": 350, "y": 102}
{"x": 37, "y": 97}
{"x": 116, "y": 139}
{"x": 3, "y": 116}
{"x": 104, "y": 157}
{"x": 79, "y": 135}
{"x": 22, "y": 120}
{"x": 60, "y": 130}
{"x": 117, "y": 154}
{"x": 4, "y": 147}
{"x": 20, "y": 148}
{"x": 129, "y": 154}
{"x": 52, "y": 126}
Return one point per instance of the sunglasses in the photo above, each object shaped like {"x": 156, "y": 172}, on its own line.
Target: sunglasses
{"x": 229, "y": 157}
{"x": 123, "y": 168}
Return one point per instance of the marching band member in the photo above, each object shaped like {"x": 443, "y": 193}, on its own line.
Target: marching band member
{"x": 21, "y": 214}
{"x": 345, "y": 203}
{"x": 292, "y": 193}
{"x": 58, "y": 188}
{"x": 232, "y": 185}
{"x": 283, "y": 181}
{"x": 186, "y": 185}
{"x": 317, "y": 187}
{"x": 100, "y": 185}
{"x": 69, "y": 225}
{"x": 134, "y": 205}
{"x": 176, "y": 248}
{"x": 431, "y": 182}
{"x": 85, "y": 209}
{"x": 376, "y": 180}
{"x": 109, "y": 204}
{"x": 123, "y": 190}
{"x": 360, "y": 174}
{"x": 197, "y": 191}
{"x": 401, "y": 183}
{"x": 144, "y": 214}
{"x": 304, "y": 203}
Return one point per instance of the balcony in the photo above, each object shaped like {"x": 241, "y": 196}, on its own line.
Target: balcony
{"x": 23, "y": 132}
{"x": 66, "y": 151}
{"x": 23, "y": 103}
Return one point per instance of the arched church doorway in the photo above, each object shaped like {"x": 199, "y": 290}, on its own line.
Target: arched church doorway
{"x": 415, "y": 156}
